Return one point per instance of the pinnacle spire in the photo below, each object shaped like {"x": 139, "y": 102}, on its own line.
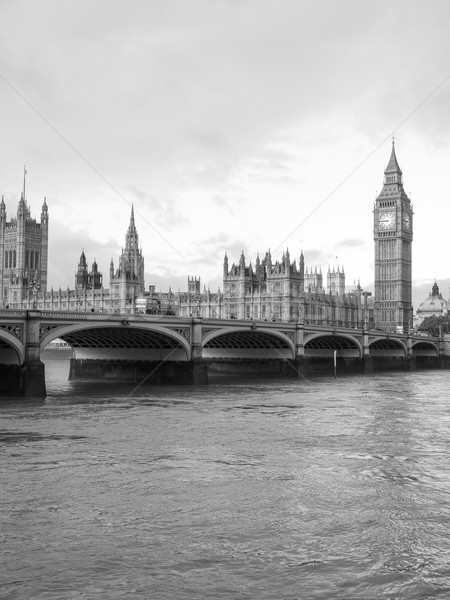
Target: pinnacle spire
{"x": 132, "y": 235}
{"x": 393, "y": 166}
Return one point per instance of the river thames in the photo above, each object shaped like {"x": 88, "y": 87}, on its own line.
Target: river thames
{"x": 321, "y": 489}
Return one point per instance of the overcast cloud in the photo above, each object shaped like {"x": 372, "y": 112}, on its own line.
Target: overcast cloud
{"x": 250, "y": 120}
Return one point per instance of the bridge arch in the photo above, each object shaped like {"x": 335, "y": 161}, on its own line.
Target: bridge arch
{"x": 425, "y": 348}
{"x": 387, "y": 347}
{"x": 12, "y": 351}
{"x": 325, "y": 344}
{"x": 254, "y": 342}
{"x": 124, "y": 340}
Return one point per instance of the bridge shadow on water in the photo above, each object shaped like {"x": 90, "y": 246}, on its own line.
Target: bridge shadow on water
{"x": 61, "y": 390}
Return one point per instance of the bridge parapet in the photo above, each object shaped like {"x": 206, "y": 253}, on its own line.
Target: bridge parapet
{"x": 15, "y": 314}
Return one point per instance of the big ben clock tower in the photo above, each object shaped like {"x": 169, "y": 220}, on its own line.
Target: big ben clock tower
{"x": 393, "y": 234}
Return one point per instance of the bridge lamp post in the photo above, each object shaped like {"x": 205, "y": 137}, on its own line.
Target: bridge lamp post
{"x": 301, "y": 315}
{"x": 35, "y": 287}
{"x": 79, "y": 302}
{"x": 198, "y": 301}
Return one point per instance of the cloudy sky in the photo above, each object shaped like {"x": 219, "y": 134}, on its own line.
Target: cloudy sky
{"x": 230, "y": 125}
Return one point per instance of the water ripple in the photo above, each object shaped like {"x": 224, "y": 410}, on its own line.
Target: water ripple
{"x": 268, "y": 491}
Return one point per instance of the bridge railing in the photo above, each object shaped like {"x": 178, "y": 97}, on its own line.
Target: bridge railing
{"x": 84, "y": 316}
{"x": 16, "y": 314}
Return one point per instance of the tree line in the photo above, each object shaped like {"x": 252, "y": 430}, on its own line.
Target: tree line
{"x": 435, "y": 326}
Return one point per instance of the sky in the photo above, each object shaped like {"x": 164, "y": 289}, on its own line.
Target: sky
{"x": 231, "y": 126}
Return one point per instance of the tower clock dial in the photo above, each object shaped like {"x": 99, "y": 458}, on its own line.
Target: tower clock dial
{"x": 407, "y": 222}
{"x": 386, "y": 220}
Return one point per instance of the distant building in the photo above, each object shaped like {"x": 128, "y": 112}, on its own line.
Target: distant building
{"x": 87, "y": 280}
{"x": 23, "y": 247}
{"x": 287, "y": 291}
{"x": 23, "y": 254}
{"x": 433, "y": 306}
{"x": 274, "y": 291}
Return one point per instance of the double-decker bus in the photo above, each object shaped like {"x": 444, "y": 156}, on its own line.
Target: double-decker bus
{"x": 151, "y": 306}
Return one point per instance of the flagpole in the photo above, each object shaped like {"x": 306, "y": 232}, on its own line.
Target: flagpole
{"x": 24, "y": 173}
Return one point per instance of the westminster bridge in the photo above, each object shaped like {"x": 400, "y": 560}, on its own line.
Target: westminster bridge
{"x": 168, "y": 349}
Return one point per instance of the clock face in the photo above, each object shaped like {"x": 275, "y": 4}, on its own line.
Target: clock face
{"x": 386, "y": 220}
{"x": 407, "y": 221}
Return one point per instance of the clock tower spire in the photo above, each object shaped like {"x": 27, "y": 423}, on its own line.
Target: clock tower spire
{"x": 393, "y": 173}
{"x": 393, "y": 236}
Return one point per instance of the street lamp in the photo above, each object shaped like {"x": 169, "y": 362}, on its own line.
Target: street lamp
{"x": 35, "y": 287}
{"x": 301, "y": 315}
{"x": 198, "y": 300}
{"x": 78, "y": 301}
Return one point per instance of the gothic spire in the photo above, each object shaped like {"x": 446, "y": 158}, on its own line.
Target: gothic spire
{"x": 22, "y": 208}
{"x": 393, "y": 173}
{"x": 132, "y": 238}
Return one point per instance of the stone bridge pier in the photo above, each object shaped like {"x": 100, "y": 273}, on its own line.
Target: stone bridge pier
{"x": 33, "y": 369}
{"x": 22, "y": 373}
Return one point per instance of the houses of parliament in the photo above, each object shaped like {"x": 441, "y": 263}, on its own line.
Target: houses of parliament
{"x": 282, "y": 289}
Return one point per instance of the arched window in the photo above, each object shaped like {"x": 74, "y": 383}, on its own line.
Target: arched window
{"x": 27, "y": 259}
{"x": 36, "y": 259}
{"x": 6, "y": 259}
{"x": 14, "y": 259}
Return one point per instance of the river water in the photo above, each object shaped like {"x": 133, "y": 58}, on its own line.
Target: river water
{"x": 321, "y": 489}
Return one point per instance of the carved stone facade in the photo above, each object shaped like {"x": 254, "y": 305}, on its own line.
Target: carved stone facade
{"x": 126, "y": 282}
{"x": 23, "y": 254}
{"x": 287, "y": 291}
{"x": 272, "y": 290}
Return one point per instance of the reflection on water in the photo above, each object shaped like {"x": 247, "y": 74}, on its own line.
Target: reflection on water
{"x": 330, "y": 489}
